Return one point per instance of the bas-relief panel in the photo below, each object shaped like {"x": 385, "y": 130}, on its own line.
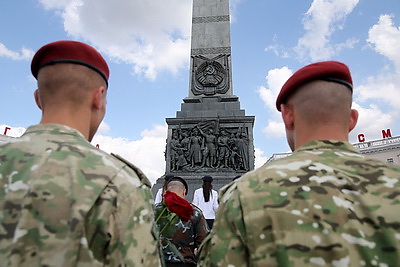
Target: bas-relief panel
{"x": 208, "y": 147}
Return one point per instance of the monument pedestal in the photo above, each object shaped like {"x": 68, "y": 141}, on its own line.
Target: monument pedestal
{"x": 209, "y": 136}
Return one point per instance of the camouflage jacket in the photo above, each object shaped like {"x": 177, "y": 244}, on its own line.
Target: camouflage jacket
{"x": 65, "y": 203}
{"x": 325, "y": 205}
{"x": 186, "y": 236}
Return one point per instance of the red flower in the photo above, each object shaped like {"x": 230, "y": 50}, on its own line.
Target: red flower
{"x": 178, "y": 205}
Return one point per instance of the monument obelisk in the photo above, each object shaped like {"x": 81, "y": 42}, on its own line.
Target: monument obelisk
{"x": 210, "y": 135}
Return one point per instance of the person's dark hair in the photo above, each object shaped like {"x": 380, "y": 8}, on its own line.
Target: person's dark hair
{"x": 207, "y": 187}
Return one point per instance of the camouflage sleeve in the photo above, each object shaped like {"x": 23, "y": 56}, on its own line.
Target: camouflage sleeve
{"x": 122, "y": 226}
{"x": 226, "y": 244}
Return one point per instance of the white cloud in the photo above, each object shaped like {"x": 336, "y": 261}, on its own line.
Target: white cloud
{"x": 260, "y": 158}
{"x": 382, "y": 88}
{"x": 151, "y": 36}
{"x": 11, "y": 130}
{"x": 54, "y": 4}
{"x": 377, "y": 99}
{"x": 146, "y": 153}
{"x": 158, "y": 131}
{"x": 103, "y": 128}
{"x": 371, "y": 122}
{"x": 275, "y": 128}
{"x": 322, "y": 19}
{"x": 267, "y": 96}
{"x": 385, "y": 38}
{"x": 275, "y": 80}
{"x": 25, "y": 53}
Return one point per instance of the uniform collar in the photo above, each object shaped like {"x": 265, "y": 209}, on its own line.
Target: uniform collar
{"x": 327, "y": 144}
{"x": 53, "y": 128}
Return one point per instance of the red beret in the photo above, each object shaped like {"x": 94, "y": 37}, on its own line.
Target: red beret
{"x": 69, "y": 52}
{"x": 332, "y": 71}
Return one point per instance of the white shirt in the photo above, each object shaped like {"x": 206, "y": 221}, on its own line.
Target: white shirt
{"x": 158, "y": 197}
{"x": 208, "y": 208}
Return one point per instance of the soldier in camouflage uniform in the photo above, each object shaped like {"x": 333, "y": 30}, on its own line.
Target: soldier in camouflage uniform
{"x": 326, "y": 204}
{"x": 181, "y": 238}
{"x": 64, "y": 202}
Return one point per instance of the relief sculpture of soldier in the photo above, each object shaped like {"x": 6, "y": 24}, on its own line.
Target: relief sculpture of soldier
{"x": 195, "y": 148}
{"x": 174, "y": 146}
{"x": 210, "y": 151}
{"x": 223, "y": 149}
{"x": 242, "y": 149}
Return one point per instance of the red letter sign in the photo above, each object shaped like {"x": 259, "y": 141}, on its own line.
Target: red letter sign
{"x": 386, "y": 134}
{"x": 361, "y": 138}
{"x": 6, "y": 129}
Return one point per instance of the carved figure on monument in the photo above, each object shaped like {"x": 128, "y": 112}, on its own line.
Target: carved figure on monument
{"x": 185, "y": 141}
{"x": 243, "y": 150}
{"x": 200, "y": 148}
{"x": 235, "y": 159}
{"x": 223, "y": 149}
{"x": 174, "y": 145}
{"x": 210, "y": 75}
{"x": 210, "y": 151}
{"x": 181, "y": 162}
{"x": 195, "y": 148}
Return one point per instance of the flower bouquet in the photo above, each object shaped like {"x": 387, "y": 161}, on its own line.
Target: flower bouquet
{"x": 175, "y": 208}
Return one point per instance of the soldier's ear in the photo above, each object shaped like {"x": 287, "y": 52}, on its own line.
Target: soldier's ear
{"x": 353, "y": 119}
{"x": 37, "y": 98}
{"x": 99, "y": 97}
{"x": 287, "y": 116}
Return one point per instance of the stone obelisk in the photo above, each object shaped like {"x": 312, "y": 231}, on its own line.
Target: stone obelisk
{"x": 210, "y": 135}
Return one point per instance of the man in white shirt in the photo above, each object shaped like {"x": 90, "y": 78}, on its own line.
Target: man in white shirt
{"x": 207, "y": 200}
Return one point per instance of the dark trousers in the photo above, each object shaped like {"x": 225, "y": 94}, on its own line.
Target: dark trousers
{"x": 210, "y": 223}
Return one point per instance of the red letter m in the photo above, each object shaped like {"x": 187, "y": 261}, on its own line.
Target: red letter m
{"x": 386, "y": 133}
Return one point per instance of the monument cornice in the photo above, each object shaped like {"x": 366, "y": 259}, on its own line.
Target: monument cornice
{"x": 211, "y": 51}
{"x": 209, "y": 19}
{"x": 178, "y": 121}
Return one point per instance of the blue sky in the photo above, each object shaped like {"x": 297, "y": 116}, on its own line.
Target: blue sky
{"x": 147, "y": 45}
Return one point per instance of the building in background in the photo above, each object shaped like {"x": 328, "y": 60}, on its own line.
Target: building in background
{"x": 387, "y": 149}
{"x": 5, "y": 138}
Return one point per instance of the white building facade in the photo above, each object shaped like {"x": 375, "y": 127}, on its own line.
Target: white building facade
{"x": 387, "y": 149}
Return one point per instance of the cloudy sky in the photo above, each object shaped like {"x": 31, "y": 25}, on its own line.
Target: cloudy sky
{"x": 147, "y": 45}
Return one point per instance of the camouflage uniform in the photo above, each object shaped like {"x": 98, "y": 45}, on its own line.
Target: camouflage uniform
{"x": 325, "y": 205}
{"x": 65, "y": 203}
{"x": 186, "y": 237}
